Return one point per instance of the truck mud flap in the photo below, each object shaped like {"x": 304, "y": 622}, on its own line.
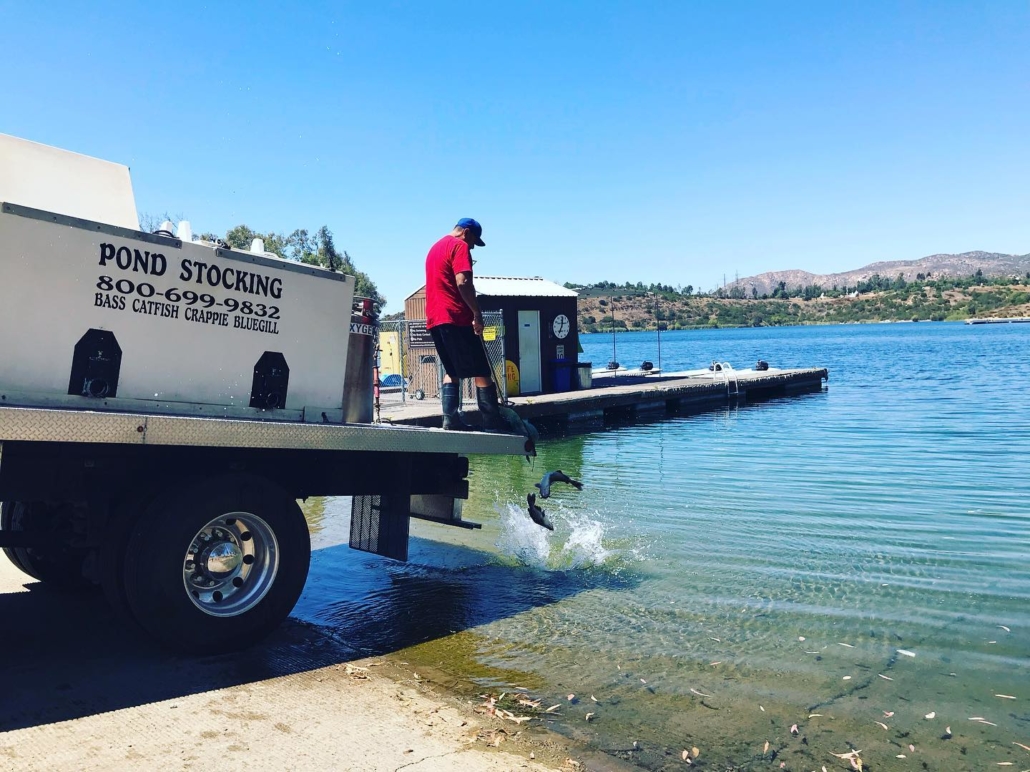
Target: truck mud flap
{"x": 379, "y": 524}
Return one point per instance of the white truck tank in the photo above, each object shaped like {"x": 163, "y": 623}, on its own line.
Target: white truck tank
{"x": 99, "y": 315}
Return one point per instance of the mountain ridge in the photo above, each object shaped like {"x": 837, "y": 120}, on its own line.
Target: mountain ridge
{"x": 938, "y": 265}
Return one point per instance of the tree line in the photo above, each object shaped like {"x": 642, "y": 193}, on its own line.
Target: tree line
{"x": 875, "y": 283}
{"x": 876, "y": 299}
{"x": 300, "y": 246}
{"x": 601, "y": 288}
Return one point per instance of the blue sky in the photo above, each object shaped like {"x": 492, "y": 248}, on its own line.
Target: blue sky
{"x": 665, "y": 142}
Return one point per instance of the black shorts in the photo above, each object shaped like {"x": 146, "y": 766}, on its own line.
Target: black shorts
{"x": 460, "y": 351}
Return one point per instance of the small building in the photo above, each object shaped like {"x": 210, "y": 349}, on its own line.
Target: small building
{"x": 541, "y": 335}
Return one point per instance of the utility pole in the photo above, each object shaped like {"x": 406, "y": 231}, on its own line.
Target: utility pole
{"x": 658, "y": 330}
{"x": 614, "y": 364}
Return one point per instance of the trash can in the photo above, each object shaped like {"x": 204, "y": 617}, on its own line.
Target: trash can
{"x": 561, "y": 375}
{"x": 584, "y": 380}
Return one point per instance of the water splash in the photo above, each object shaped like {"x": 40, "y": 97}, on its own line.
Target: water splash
{"x": 576, "y": 542}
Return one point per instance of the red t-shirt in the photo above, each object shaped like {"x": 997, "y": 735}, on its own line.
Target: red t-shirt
{"x": 446, "y": 259}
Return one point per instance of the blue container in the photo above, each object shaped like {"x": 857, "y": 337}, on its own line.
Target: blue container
{"x": 561, "y": 375}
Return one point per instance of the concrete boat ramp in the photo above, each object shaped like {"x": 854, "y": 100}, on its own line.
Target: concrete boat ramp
{"x": 625, "y": 395}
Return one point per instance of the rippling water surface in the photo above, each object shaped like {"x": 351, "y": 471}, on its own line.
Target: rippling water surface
{"x": 842, "y": 561}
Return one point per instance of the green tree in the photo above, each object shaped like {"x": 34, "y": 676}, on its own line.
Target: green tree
{"x": 302, "y": 247}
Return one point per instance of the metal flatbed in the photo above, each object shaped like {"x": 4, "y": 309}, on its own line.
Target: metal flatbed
{"x": 21, "y": 424}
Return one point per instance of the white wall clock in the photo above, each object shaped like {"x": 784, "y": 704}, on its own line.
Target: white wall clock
{"x": 561, "y": 326}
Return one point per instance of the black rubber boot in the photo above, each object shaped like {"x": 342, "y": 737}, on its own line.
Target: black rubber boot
{"x": 490, "y": 415}
{"x": 452, "y": 420}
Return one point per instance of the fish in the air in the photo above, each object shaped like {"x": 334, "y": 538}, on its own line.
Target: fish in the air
{"x": 519, "y": 425}
{"x": 536, "y": 514}
{"x": 552, "y": 477}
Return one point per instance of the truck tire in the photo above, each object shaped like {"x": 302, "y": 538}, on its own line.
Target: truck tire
{"x": 215, "y": 565}
{"x": 58, "y": 564}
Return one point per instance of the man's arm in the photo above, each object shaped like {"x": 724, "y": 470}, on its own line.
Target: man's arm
{"x": 468, "y": 293}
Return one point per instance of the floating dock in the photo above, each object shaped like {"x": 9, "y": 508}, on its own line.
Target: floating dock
{"x": 621, "y": 397}
{"x": 1000, "y": 320}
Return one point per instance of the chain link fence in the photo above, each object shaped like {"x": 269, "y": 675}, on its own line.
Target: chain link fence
{"x": 409, "y": 368}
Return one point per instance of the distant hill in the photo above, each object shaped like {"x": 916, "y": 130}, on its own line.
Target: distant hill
{"x": 991, "y": 263}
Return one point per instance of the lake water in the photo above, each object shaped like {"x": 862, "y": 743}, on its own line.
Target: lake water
{"x": 855, "y": 562}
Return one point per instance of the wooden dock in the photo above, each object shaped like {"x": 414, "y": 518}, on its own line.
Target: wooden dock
{"x": 624, "y": 397}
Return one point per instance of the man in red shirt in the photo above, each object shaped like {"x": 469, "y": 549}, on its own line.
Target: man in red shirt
{"x": 455, "y": 322}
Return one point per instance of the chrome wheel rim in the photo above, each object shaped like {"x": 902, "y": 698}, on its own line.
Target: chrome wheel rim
{"x": 231, "y": 564}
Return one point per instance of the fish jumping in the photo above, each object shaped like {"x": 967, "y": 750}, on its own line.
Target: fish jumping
{"x": 552, "y": 477}
{"x": 536, "y": 514}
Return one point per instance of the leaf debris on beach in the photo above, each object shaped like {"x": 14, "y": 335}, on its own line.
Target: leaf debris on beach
{"x": 852, "y": 757}
{"x": 689, "y": 756}
{"x": 490, "y": 707}
{"x": 356, "y": 672}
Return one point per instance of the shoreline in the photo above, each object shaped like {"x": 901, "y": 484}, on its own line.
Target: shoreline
{"x": 90, "y": 694}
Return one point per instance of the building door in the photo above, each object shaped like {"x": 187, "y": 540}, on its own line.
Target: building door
{"x": 529, "y": 352}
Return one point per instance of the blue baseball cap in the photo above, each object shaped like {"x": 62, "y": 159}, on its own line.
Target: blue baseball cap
{"x": 475, "y": 227}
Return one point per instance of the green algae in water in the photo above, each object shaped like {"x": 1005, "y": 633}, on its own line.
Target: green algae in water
{"x": 462, "y": 659}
